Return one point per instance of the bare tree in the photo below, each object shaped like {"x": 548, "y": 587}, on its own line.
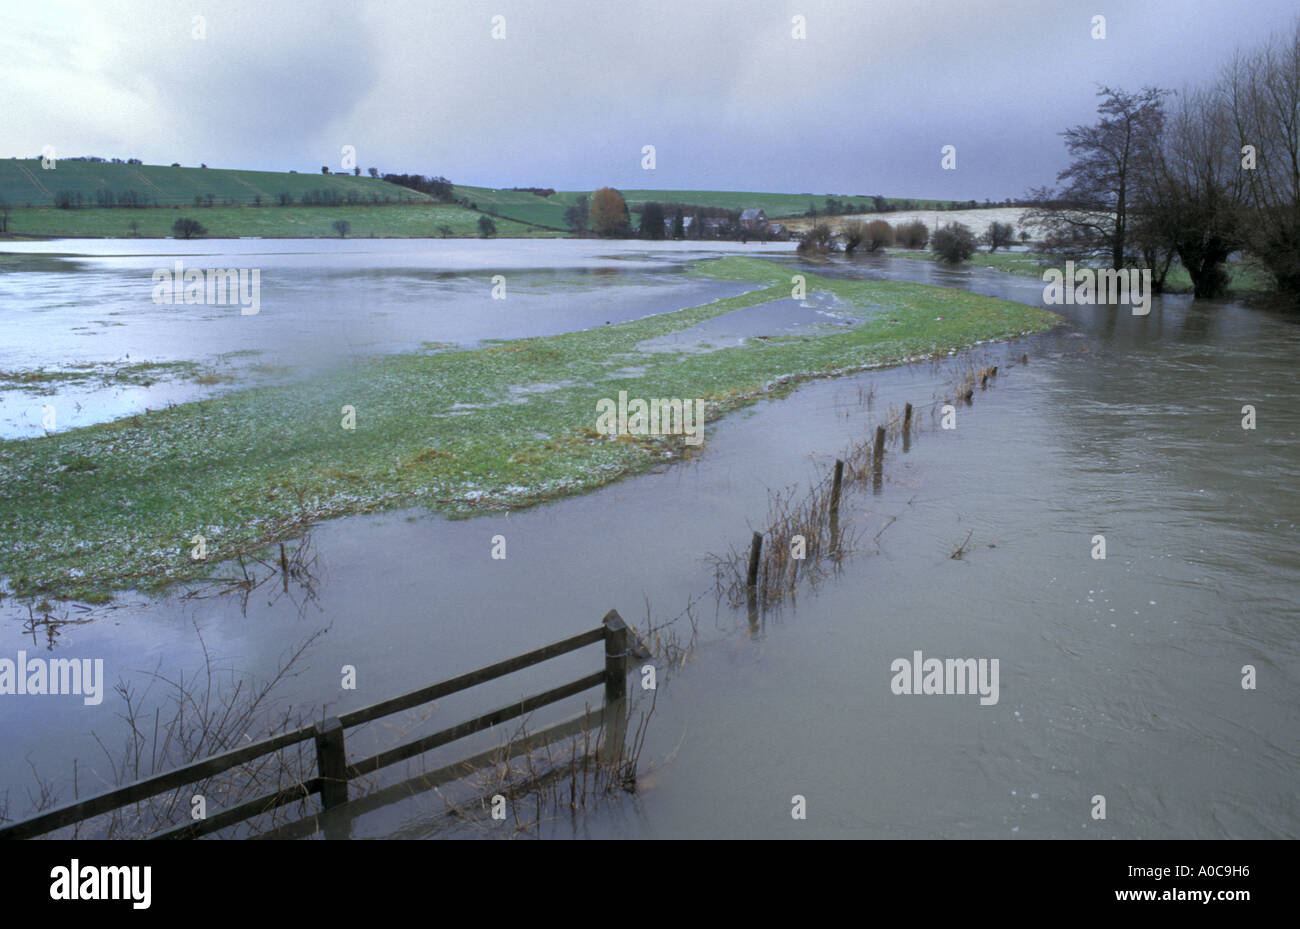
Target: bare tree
{"x": 1262, "y": 92}
{"x": 998, "y": 235}
{"x": 1090, "y": 214}
{"x": 819, "y": 240}
{"x": 853, "y": 234}
{"x": 186, "y": 228}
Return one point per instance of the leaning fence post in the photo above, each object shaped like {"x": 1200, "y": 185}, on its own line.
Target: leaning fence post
{"x": 907, "y": 418}
{"x": 331, "y": 763}
{"x": 617, "y": 644}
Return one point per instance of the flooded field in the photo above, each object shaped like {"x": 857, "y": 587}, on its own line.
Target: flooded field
{"x": 1119, "y": 677}
{"x": 80, "y": 321}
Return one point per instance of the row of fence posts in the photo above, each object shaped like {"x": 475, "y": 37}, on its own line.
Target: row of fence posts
{"x": 877, "y": 476}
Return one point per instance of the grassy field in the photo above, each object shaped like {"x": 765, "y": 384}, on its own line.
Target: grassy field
{"x": 399, "y": 220}
{"x": 107, "y": 507}
{"x": 517, "y": 204}
{"x": 23, "y": 182}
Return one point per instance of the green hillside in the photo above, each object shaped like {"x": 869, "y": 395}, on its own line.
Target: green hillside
{"x": 516, "y": 204}
{"x": 23, "y": 182}
{"x": 394, "y": 220}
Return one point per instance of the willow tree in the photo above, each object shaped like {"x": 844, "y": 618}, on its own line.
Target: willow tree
{"x": 1194, "y": 197}
{"x": 1263, "y": 94}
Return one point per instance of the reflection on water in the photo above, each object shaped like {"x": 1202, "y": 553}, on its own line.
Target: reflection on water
{"x": 295, "y": 572}
{"x": 1119, "y": 677}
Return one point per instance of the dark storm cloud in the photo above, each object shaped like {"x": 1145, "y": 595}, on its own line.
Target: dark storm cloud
{"x": 722, "y": 90}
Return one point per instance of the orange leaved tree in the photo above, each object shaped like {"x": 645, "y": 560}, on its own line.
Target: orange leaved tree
{"x": 608, "y": 213}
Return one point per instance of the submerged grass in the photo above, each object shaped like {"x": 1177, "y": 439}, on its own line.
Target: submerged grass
{"x": 140, "y": 374}
{"x": 450, "y": 430}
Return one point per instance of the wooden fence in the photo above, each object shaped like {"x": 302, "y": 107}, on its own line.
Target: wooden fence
{"x": 334, "y": 772}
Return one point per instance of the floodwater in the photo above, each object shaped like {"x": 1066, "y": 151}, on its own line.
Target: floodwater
{"x": 1119, "y": 677}
{"x": 69, "y": 306}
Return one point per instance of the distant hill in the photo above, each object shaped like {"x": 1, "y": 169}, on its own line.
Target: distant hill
{"x": 99, "y": 191}
{"x": 23, "y": 182}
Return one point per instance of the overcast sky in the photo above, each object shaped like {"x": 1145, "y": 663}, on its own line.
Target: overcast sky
{"x": 568, "y": 98}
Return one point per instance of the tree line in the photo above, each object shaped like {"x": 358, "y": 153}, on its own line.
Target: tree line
{"x": 132, "y": 199}
{"x": 438, "y": 187}
{"x": 1193, "y": 176}
{"x": 96, "y": 159}
{"x": 606, "y": 214}
{"x": 879, "y": 204}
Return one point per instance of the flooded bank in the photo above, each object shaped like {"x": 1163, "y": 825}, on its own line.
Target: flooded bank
{"x": 1119, "y": 677}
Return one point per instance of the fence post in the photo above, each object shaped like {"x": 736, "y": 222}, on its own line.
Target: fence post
{"x": 755, "y": 549}
{"x": 616, "y": 660}
{"x": 835, "y": 504}
{"x": 331, "y": 763}
{"x": 877, "y": 459}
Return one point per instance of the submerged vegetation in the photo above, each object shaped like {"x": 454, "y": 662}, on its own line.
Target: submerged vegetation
{"x": 116, "y": 505}
{"x": 138, "y": 374}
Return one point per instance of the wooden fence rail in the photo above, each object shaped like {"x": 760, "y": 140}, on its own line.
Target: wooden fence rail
{"x": 333, "y": 772}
